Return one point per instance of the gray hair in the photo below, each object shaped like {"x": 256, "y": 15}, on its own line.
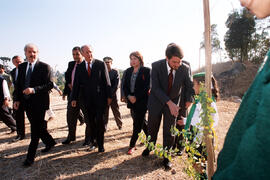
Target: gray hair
{"x": 86, "y": 45}
{"x": 29, "y": 45}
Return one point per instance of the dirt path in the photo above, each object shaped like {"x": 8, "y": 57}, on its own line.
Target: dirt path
{"x": 75, "y": 162}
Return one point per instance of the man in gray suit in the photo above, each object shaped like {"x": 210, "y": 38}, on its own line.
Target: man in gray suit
{"x": 168, "y": 77}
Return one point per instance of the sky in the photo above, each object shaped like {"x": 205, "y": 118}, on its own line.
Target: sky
{"x": 113, "y": 28}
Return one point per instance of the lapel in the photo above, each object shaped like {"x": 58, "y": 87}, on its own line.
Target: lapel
{"x": 138, "y": 76}
{"x": 83, "y": 69}
{"x": 35, "y": 71}
{"x": 24, "y": 66}
{"x": 164, "y": 73}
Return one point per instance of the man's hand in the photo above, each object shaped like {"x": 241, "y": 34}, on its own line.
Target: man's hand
{"x": 28, "y": 91}
{"x": 6, "y": 102}
{"x": 174, "y": 109}
{"x": 16, "y": 105}
{"x": 73, "y": 103}
{"x": 188, "y": 104}
{"x": 109, "y": 101}
{"x": 123, "y": 99}
{"x": 70, "y": 86}
{"x": 180, "y": 122}
{"x": 132, "y": 99}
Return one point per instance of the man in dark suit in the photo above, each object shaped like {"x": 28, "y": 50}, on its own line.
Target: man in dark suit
{"x": 169, "y": 76}
{"x": 18, "y": 114}
{"x": 31, "y": 92}
{"x": 114, "y": 78}
{"x": 73, "y": 113}
{"x": 92, "y": 79}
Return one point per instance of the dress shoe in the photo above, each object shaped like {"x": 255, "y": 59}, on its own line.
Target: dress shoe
{"x": 27, "y": 163}
{"x": 92, "y": 147}
{"x": 131, "y": 150}
{"x": 67, "y": 141}
{"x": 101, "y": 149}
{"x": 167, "y": 164}
{"x": 86, "y": 143}
{"x": 18, "y": 138}
{"x": 12, "y": 131}
{"x": 146, "y": 152}
{"x": 48, "y": 148}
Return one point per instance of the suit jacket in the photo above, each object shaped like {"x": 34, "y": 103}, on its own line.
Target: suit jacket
{"x": 94, "y": 89}
{"x": 68, "y": 77}
{"x": 159, "y": 79}
{"x": 41, "y": 81}
{"x": 13, "y": 75}
{"x": 114, "y": 78}
{"x": 142, "y": 85}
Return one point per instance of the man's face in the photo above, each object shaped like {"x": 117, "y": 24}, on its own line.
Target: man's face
{"x": 174, "y": 62}
{"x": 17, "y": 61}
{"x": 31, "y": 53}
{"x": 77, "y": 56}
{"x": 109, "y": 64}
{"x": 87, "y": 53}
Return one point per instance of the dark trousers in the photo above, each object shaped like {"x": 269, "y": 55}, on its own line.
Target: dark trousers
{"x": 139, "y": 123}
{"x": 38, "y": 130}
{"x": 7, "y": 118}
{"x": 73, "y": 114}
{"x": 96, "y": 125}
{"x": 116, "y": 113}
{"x": 20, "y": 121}
{"x": 154, "y": 119}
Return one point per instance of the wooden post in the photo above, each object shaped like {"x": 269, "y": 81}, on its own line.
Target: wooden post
{"x": 208, "y": 71}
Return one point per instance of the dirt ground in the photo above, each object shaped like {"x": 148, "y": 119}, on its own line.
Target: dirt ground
{"x": 73, "y": 161}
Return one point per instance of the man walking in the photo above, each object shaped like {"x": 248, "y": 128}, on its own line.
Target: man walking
{"x": 32, "y": 93}
{"x": 73, "y": 113}
{"x": 92, "y": 79}
{"x": 19, "y": 113}
{"x": 114, "y": 78}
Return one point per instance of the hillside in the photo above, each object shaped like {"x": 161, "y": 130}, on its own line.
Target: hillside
{"x": 234, "y": 78}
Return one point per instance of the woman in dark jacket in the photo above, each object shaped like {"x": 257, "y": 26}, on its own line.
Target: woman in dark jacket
{"x": 136, "y": 87}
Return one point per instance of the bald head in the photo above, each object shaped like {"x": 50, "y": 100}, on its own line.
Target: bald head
{"x": 87, "y": 52}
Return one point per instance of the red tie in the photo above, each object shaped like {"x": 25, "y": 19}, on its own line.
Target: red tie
{"x": 89, "y": 69}
{"x": 170, "y": 81}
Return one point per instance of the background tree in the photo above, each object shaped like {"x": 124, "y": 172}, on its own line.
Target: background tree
{"x": 238, "y": 39}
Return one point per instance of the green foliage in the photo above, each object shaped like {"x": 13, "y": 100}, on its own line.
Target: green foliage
{"x": 215, "y": 42}
{"x": 245, "y": 40}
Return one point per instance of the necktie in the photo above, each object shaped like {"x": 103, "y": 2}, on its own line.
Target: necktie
{"x": 170, "y": 81}
{"x": 73, "y": 74}
{"x": 27, "y": 79}
{"x": 89, "y": 69}
{"x": 28, "y": 76}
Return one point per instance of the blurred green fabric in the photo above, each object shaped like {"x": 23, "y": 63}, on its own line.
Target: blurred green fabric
{"x": 246, "y": 150}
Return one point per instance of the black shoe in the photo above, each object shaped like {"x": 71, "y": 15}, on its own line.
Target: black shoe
{"x": 167, "y": 164}
{"x": 67, "y": 141}
{"x": 48, "y": 148}
{"x": 101, "y": 149}
{"x": 146, "y": 152}
{"x": 18, "y": 138}
{"x": 86, "y": 143}
{"x": 12, "y": 131}
{"x": 92, "y": 147}
{"x": 27, "y": 163}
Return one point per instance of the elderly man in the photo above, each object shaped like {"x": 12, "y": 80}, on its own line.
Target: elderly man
{"x": 92, "y": 79}
{"x": 32, "y": 88}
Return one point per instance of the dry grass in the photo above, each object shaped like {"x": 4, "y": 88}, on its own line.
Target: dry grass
{"x": 75, "y": 162}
